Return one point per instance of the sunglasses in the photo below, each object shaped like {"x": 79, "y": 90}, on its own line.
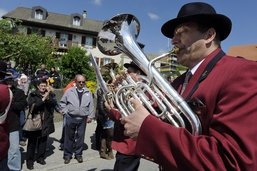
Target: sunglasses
{"x": 81, "y": 82}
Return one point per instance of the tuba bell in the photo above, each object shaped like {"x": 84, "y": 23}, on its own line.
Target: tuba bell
{"x": 119, "y": 35}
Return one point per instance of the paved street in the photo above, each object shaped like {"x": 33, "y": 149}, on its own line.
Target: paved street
{"x": 92, "y": 161}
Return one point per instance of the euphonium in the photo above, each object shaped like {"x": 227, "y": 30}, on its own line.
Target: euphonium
{"x": 105, "y": 76}
{"x": 107, "y": 92}
{"x": 119, "y": 35}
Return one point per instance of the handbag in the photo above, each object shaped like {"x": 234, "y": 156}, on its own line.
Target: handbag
{"x": 33, "y": 123}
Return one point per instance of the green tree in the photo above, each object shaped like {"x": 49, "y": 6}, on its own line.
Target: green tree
{"x": 6, "y": 25}
{"x": 76, "y": 62}
{"x": 24, "y": 49}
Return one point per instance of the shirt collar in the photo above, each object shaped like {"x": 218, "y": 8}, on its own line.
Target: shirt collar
{"x": 193, "y": 70}
{"x": 80, "y": 90}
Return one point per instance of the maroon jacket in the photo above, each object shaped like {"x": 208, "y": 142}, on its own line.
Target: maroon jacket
{"x": 4, "y": 140}
{"x": 229, "y": 139}
{"x": 4, "y": 133}
{"x": 120, "y": 142}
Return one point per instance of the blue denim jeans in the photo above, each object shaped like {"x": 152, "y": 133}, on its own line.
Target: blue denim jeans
{"x": 14, "y": 154}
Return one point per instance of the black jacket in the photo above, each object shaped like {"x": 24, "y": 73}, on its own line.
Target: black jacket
{"x": 46, "y": 107}
{"x": 101, "y": 110}
{"x": 19, "y": 103}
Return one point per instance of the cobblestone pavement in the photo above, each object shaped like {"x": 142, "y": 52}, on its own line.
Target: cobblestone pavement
{"x": 92, "y": 161}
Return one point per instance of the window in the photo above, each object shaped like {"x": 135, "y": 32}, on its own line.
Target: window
{"x": 83, "y": 40}
{"x": 42, "y": 33}
{"x": 63, "y": 40}
{"x": 39, "y": 14}
{"x": 34, "y": 30}
{"x": 58, "y": 35}
{"x": 69, "y": 36}
{"x": 76, "y": 21}
{"x": 29, "y": 31}
{"x": 106, "y": 61}
{"x": 89, "y": 41}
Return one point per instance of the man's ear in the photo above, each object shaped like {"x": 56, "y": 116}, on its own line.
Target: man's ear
{"x": 210, "y": 35}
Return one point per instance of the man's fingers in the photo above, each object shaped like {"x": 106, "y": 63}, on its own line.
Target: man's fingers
{"x": 126, "y": 133}
{"x": 136, "y": 103}
{"x": 129, "y": 134}
{"x": 122, "y": 121}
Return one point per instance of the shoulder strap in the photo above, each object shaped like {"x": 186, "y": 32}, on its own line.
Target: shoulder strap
{"x": 31, "y": 108}
{"x": 206, "y": 72}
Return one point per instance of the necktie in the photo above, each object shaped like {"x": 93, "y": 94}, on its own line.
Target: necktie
{"x": 187, "y": 78}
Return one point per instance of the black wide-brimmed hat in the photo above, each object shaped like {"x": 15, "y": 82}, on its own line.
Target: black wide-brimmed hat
{"x": 133, "y": 65}
{"x": 202, "y": 12}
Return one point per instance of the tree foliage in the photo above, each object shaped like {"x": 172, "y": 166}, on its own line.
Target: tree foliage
{"x": 76, "y": 62}
{"x": 33, "y": 50}
{"x": 6, "y": 25}
{"x": 24, "y": 50}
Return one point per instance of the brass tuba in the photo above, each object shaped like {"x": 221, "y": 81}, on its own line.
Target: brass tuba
{"x": 118, "y": 35}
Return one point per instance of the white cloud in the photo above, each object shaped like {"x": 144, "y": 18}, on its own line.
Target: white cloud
{"x": 97, "y": 2}
{"x": 2, "y": 12}
{"x": 153, "y": 16}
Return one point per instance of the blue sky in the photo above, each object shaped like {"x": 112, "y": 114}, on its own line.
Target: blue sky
{"x": 152, "y": 14}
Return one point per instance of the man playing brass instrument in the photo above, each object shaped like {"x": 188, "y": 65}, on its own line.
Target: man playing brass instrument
{"x": 124, "y": 145}
{"x": 227, "y": 89}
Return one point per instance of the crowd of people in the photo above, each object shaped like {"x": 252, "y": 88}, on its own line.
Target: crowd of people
{"x": 23, "y": 97}
{"x": 221, "y": 89}
{"x": 53, "y": 77}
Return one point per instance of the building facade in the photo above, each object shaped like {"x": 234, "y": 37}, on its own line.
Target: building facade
{"x": 74, "y": 30}
{"x": 65, "y": 30}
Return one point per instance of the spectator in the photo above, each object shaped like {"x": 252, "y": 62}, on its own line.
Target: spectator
{"x": 44, "y": 102}
{"x": 77, "y": 105}
{"x": 23, "y": 84}
{"x": 54, "y": 78}
{"x": 13, "y": 71}
{"x": 69, "y": 85}
{"x": 42, "y": 73}
{"x": 19, "y": 103}
{"x": 104, "y": 130}
{"x": 5, "y": 103}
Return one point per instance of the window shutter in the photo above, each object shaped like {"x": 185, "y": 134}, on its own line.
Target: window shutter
{"x": 94, "y": 41}
{"x": 69, "y": 36}
{"x": 43, "y": 33}
{"x": 57, "y": 34}
{"x": 83, "y": 40}
{"x": 29, "y": 31}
